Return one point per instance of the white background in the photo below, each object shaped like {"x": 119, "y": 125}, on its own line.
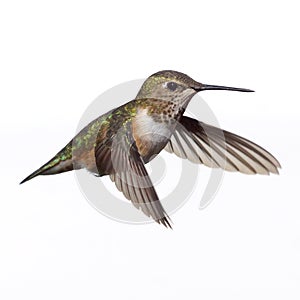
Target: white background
{"x": 56, "y": 58}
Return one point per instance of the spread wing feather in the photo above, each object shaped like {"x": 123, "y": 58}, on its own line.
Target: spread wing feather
{"x": 217, "y": 148}
{"x": 119, "y": 158}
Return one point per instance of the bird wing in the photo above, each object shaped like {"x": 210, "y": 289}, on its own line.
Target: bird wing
{"x": 119, "y": 158}
{"x": 217, "y": 148}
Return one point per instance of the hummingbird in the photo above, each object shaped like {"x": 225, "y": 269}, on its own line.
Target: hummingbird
{"x": 120, "y": 142}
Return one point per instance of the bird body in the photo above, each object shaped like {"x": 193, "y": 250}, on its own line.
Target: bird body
{"x": 120, "y": 142}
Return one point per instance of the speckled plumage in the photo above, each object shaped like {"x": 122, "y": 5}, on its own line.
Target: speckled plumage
{"x": 121, "y": 141}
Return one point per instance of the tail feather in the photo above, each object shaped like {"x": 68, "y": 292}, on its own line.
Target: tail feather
{"x": 61, "y": 162}
{"x": 34, "y": 174}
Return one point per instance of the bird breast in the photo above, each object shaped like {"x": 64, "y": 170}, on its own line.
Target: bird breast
{"x": 150, "y": 133}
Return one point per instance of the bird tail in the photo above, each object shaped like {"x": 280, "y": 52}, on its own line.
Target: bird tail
{"x": 61, "y": 162}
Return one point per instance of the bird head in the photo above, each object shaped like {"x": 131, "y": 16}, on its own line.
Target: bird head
{"x": 176, "y": 87}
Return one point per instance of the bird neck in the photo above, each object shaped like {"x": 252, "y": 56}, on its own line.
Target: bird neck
{"x": 161, "y": 110}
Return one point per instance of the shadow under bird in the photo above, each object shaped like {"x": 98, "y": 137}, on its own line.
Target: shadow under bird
{"x": 120, "y": 142}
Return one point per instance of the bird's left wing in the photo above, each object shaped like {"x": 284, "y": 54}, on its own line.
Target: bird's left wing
{"x": 119, "y": 158}
{"x": 217, "y": 148}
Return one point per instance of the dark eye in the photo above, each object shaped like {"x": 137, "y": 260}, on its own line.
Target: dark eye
{"x": 172, "y": 86}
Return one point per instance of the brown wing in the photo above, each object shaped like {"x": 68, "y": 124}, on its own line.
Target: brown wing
{"x": 217, "y": 148}
{"x": 119, "y": 158}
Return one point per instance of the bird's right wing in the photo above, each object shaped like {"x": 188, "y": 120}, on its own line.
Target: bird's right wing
{"x": 120, "y": 159}
{"x": 217, "y": 148}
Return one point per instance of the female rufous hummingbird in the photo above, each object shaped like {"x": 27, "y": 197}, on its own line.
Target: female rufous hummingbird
{"x": 120, "y": 142}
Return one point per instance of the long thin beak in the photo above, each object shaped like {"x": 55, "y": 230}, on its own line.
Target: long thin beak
{"x": 206, "y": 87}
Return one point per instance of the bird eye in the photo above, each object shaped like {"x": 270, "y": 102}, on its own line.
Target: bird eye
{"x": 172, "y": 86}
